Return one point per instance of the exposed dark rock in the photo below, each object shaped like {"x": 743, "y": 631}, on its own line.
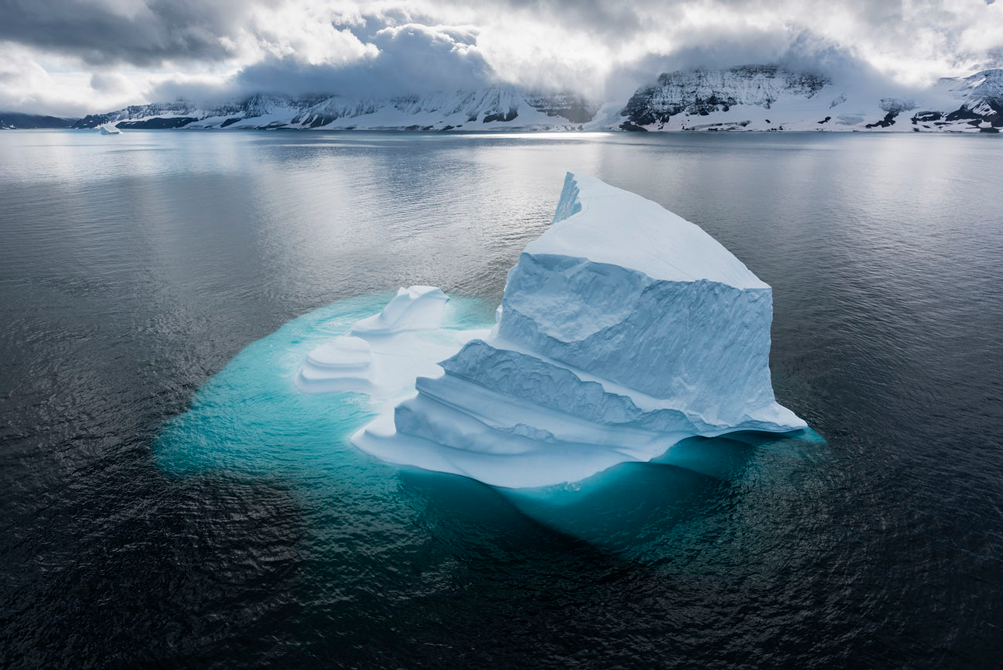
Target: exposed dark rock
{"x": 889, "y": 120}
{"x": 507, "y": 116}
{"x": 158, "y": 123}
{"x": 962, "y": 114}
{"x": 632, "y": 127}
{"x": 703, "y": 92}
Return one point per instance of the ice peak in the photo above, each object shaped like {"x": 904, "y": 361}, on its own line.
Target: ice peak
{"x": 605, "y": 224}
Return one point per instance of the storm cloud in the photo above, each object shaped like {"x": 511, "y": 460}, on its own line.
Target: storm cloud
{"x": 91, "y": 55}
{"x": 135, "y": 33}
{"x": 407, "y": 59}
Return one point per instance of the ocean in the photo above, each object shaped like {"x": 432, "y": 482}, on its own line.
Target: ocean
{"x": 169, "y": 500}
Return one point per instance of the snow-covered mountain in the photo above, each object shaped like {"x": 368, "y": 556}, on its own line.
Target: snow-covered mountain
{"x": 491, "y": 108}
{"x": 768, "y": 97}
{"x": 749, "y": 97}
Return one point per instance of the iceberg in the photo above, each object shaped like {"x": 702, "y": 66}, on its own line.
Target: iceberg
{"x": 109, "y": 129}
{"x": 623, "y": 330}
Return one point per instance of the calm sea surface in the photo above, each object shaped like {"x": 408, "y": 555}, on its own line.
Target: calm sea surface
{"x": 166, "y": 500}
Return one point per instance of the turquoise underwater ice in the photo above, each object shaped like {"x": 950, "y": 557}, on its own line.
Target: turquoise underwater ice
{"x": 250, "y": 418}
{"x": 250, "y": 421}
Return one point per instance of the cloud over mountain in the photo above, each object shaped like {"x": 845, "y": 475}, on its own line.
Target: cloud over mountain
{"x": 87, "y": 55}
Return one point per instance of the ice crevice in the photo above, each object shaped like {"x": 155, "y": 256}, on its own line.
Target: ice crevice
{"x": 623, "y": 330}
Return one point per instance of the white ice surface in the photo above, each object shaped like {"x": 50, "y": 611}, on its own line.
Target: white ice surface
{"x": 603, "y": 224}
{"x": 415, "y": 308}
{"x": 623, "y": 330}
{"x": 385, "y": 353}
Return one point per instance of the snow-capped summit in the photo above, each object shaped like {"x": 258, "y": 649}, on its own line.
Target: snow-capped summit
{"x": 981, "y": 96}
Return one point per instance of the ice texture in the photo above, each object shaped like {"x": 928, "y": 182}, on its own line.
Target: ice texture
{"x": 384, "y": 353}
{"x": 623, "y": 330}
{"x": 415, "y": 308}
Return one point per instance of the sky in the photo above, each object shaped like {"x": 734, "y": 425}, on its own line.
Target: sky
{"x": 73, "y": 57}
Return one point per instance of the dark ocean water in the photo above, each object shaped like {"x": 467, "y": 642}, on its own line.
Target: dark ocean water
{"x": 166, "y": 503}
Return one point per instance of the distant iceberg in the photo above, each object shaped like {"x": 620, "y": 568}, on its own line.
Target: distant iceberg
{"x": 623, "y": 330}
{"x": 109, "y": 129}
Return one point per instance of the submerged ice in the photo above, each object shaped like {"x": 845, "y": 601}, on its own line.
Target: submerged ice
{"x": 623, "y": 330}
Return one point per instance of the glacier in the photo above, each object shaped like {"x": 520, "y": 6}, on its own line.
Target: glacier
{"x": 624, "y": 329}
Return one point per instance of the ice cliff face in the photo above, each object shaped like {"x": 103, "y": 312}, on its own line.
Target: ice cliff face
{"x": 765, "y": 97}
{"x": 490, "y": 108}
{"x": 623, "y": 330}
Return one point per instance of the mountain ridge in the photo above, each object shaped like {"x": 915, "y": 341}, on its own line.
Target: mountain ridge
{"x": 482, "y": 109}
{"x": 763, "y": 97}
{"x": 775, "y": 98}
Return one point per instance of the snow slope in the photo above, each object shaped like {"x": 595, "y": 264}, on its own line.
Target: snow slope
{"x": 623, "y": 330}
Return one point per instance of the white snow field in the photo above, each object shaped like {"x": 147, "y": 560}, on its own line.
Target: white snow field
{"x": 623, "y": 330}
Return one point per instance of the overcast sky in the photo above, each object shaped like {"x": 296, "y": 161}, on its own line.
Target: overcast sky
{"x": 70, "y": 57}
